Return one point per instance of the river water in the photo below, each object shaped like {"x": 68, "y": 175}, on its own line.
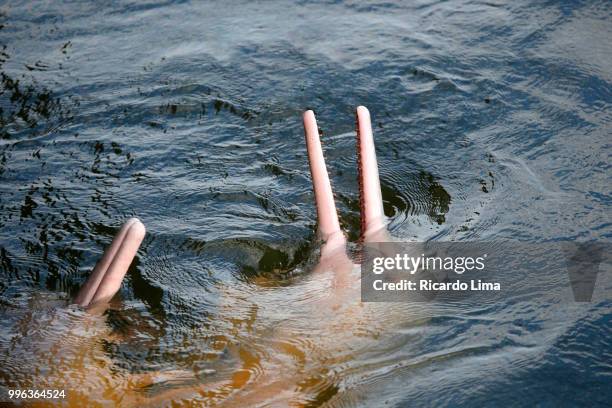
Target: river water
{"x": 492, "y": 121}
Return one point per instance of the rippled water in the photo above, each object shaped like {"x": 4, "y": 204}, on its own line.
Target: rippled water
{"x": 492, "y": 121}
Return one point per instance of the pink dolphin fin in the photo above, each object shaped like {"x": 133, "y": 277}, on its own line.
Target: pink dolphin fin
{"x": 329, "y": 227}
{"x": 373, "y": 221}
{"x": 105, "y": 280}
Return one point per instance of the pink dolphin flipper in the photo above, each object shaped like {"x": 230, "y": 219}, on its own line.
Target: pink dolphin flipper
{"x": 328, "y": 224}
{"x": 105, "y": 280}
{"x": 373, "y": 220}
{"x": 369, "y": 185}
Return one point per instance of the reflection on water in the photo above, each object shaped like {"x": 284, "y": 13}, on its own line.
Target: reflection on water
{"x": 491, "y": 122}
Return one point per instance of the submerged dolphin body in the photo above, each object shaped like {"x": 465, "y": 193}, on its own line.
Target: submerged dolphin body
{"x": 338, "y": 314}
{"x": 64, "y": 343}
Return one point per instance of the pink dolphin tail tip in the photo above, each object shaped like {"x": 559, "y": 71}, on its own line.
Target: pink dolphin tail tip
{"x": 105, "y": 280}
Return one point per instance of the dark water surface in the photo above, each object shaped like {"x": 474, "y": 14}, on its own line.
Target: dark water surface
{"x": 492, "y": 121}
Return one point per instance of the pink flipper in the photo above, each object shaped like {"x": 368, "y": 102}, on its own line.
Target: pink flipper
{"x": 373, "y": 222}
{"x": 105, "y": 280}
{"x": 329, "y": 227}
